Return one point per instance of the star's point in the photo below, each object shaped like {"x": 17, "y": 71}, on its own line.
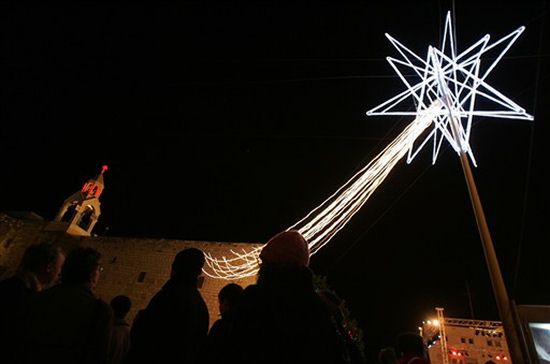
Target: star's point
{"x": 456, "y": 81}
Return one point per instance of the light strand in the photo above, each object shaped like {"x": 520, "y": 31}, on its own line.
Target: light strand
{"x": 444, "y": 96}
{"x": 322, "y": 223}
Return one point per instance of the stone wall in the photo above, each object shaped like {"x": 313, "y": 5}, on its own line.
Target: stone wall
{"x": 138, "y": 268}
{"x": 134, "y": 267}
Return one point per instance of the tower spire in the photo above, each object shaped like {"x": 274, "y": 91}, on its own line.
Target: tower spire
{"x": 79, "y": 213}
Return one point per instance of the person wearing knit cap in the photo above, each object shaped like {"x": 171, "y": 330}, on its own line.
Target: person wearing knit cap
{"x": 287, "y": 247}
{"x": 281, "y": 318}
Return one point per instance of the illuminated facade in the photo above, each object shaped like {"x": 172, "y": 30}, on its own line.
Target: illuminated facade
{"x": 467, "y": 341}
{"x": 137, "y": 268}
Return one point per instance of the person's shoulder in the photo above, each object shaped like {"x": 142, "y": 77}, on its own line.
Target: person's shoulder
{"x": 253, "y": 289}
{"x": 253, "y": 299}
{"x": 50, "y": 292}
{"x": 220, "y": 328}
{"x": 252, "y": 293}
{"x": 122, "y": 323}
{"x": 414, "y": 360}
{"x": 14, "y": 292}
{"x": 103, "y": 312}
{"x": 103, "y": 305}
{"x": 216, "y": 326}
{"x": 11, "y": 283}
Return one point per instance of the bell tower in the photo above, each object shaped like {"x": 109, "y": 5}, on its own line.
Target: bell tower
{"x": 79, "y": 213}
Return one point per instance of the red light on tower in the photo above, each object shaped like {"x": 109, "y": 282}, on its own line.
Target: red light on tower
{"x": 104, "y": 168}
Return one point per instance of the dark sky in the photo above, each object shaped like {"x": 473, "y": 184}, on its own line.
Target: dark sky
{"x": 229, "y": 122}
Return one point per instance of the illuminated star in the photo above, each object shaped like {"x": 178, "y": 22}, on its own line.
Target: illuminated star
{"x": 444, "y": 96}
{"x": 455, "y": 81}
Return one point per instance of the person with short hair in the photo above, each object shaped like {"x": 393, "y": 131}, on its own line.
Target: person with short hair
{"x": 229, "y": 298}
{"x": 39, "y": 269}
{"x": 120, "y": 338}
{"x": 68, "y": 323}
{"x": 173, "y": 327}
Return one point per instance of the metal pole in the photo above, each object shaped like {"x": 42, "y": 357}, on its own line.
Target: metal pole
{"x": 499, "y": 289}
{"x": 470, "y": 302}
{"x": 442, "y": 335}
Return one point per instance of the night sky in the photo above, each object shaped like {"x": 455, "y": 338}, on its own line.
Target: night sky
{"x": 230, "y": 122}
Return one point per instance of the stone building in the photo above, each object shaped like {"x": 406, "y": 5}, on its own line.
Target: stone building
{"x": 134, "y": 267}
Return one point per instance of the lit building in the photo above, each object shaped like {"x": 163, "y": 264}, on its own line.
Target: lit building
{"x": 137, "y": 268}
{"x": 464, "y": 341}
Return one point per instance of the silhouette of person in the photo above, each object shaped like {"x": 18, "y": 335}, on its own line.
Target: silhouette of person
{"x": 281, "y": 319}
{"x": 412, "y": 350}
{"x": 218, "y": 338}
{"x": 39, "y": 268}
{"x": 173, "y": 327}
{"x": 387, "y": 356}
{"x": 120, "y": 337}
{"x": 349, "y": 347}
{"x": 67, "y": 323}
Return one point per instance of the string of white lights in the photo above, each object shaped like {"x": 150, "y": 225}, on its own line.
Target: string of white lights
{"x": 445, "y": 95}
{"x": 321, "y": 224}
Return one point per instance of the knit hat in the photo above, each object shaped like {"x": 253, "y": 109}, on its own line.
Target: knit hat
{"x": 287, "y": 247}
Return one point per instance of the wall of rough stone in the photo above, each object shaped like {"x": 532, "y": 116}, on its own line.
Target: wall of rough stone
{"x": 134, "y": 267}
{"x": 15, "y": 236}
{"x": 138, "y": 268}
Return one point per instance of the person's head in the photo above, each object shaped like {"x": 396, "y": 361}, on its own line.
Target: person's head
{"x": 82, "y": 266}
{"x": 188, "y": 264}
{"x": 387, "y": 356}
{"x": 44, "y": 261}
{"x": 287, "y": 247}
{"x": 410, "y": 343}
{"x": 121, "y": 306}
{"x": 229, "y": 297}
{"x": 284, "y": 263}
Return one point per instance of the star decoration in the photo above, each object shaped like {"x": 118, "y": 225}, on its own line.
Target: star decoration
{"x": 452, "y": 82}
{"x": 445, "y": 97}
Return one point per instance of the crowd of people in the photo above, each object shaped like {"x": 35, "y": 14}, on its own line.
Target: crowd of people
{"x": 49, "y": 313}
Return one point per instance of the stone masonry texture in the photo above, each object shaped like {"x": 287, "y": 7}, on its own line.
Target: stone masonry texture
{"x": 137, "y": 268}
